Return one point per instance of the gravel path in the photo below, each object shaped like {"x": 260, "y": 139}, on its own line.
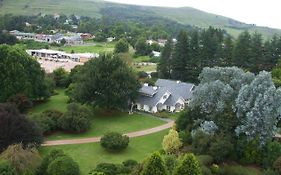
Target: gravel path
{"x": 97, "y": 139}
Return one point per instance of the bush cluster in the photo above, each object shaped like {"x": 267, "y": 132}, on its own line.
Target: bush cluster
{"x": 114, "y": 141}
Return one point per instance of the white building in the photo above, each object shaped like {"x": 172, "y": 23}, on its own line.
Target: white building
{"x": 167, "y": 95}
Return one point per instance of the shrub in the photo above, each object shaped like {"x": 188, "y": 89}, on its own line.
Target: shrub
{"x": 23, "y": 160}
{"x": 221, "y": 148}
{"x": 16, "y": 128}
{"x": 63, "y": 165}
{"x": 75, "y": 119}
{"x": 271, "y": 153}
{"x": 130, "y": 163}
{"x": 42, "y": 169}
{"x": 185, "y": 137}
{"x": 114, "y": 141}
{"x": 154, "y": 165}
{"x": 6, "y": 168}
{"x": 201, "y": 142}
{"x": 107, "y": 168}
{"x": 205, "y": 160}
{"x": 205, "y": 170}
{"x": 238, "y": 170}
{"x": 277, "y": 165}
{"x": 215, "y": 169}
{"x": 171, "y": 142}
{"x": 170, "y": 162}
{"x": 48, "y": 120}
{"x": 189, "y": 165}
{"x": 269, "y": 172}
{"x": 96, "y": 173}
{"x": 22, "y": 102}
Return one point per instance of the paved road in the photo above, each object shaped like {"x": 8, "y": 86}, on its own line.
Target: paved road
{"x": 97, "y": 139}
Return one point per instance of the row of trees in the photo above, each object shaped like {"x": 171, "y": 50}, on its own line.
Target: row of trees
{"x": 185, "y": 59}
{"x": 233, "y": 115}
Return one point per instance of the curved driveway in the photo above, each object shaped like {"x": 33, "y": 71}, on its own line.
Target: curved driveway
{"x": 97, "y": 139}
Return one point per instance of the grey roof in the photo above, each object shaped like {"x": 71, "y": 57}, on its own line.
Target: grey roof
{"x": 152, "y": 101}
{"x": 148, "y": 90}
{"x": 149, "y": 96}
{"x": 181, "y": 89}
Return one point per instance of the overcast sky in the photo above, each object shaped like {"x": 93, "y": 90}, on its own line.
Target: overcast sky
{"x": 260, "y": 12}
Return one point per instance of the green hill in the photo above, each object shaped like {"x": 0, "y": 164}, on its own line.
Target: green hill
{"x": 96, "y": 8}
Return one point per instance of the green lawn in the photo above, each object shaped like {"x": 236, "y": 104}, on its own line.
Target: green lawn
{"x": 58, "y": 102}
{"x": 149, "y": 68}
{"x": 101, "y": 122}
{"x": 89, "y": 155}
{"x": 122, "y": 123}
{"x": 98, "y": 48}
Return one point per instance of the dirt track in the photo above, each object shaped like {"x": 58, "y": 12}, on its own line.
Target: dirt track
{"x": 97, "y": 139}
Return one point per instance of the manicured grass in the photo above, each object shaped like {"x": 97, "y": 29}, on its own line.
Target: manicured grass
{"x": 97, "y": 48}
{"x": 89, "y": 155}
{"x": 149, "y": 68}
{"x": 141, "y": 59}
{"x": 122, "y": 123}
{"x": 57, "y": 102}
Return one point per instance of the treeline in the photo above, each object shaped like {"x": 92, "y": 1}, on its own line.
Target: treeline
{"x": 186, "y": 58}
{"x": 109, "y": 25}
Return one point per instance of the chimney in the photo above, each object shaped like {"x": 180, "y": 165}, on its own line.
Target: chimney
{"x": 145, "y": 84}
{"x": 155, "y": 88}
{"x": 178, "y": 82}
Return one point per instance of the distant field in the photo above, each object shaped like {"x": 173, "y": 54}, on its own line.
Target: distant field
{"x": 89, "y": 155}
{"x": 97, "y": 48}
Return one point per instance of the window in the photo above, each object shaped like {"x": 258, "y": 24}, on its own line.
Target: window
{"x": 168, "y": 108}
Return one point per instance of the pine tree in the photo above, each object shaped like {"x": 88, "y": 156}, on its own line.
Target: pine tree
{"x": 227, "y": 52}
{"x": 164, "y": 65}
{"x": 194, "y": 65}
{"x": 257, "y": 59}
{"x": 242, "y": 50}
{"x": 171, "y": 142}
{"x": 180, "y": 57}
{"x": 189, "y": 165}
{"x": 154, "y": 165}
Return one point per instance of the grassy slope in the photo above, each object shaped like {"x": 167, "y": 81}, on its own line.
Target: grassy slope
{"x": 92, "y": 8}
{"x": 89, "y": 155}
{"x": 58, "y": 102}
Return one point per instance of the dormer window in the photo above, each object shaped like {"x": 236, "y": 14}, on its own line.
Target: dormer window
{"x": 165, "y": 96}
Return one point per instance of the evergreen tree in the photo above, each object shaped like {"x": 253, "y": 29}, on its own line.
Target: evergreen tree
{"x": 257, "y": 56}
{"x": 180, "y": 57}
{"x": 227, "y": 52}
{"x": 189, "y": 165}
{"x": 171, "y": 142}
{"x": 194, "y": 65}
{"x": 164, "y": 65}
{"x": 154, "y": 165}
{"x": 242, "y": 51}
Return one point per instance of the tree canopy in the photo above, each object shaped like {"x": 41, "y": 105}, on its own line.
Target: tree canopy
{"x": 107, "y": 82}
{"x": 20, "y": 73}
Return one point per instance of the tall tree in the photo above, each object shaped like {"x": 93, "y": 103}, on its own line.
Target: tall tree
{"x": 180, "y": 57}
{"x": 164, "y": 65}
{"x": 154, "y": 165}
{"x": 194, "y": 64}
{"x": 257, "y": 53}
{"x": 20, "y": 73}
{"x": 258, "y": 107}
{"x": 189, "y": 165}
{"x": 228, "y": 46}
{"x": 107, "y": 82}
{"x": 16, "y": 128}
{"x": 242, "y": 50}
{"x": 121, "y": 46}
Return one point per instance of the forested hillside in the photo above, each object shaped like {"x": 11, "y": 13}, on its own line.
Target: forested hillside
{"x": 97, "y": 8}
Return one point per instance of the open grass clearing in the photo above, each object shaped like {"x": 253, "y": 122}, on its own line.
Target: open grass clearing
{"x": 57, "y": 102}
{"x": 89, "y": 155}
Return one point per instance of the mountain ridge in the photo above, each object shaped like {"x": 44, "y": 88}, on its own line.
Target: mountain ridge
{"x": 92, "y": 8}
